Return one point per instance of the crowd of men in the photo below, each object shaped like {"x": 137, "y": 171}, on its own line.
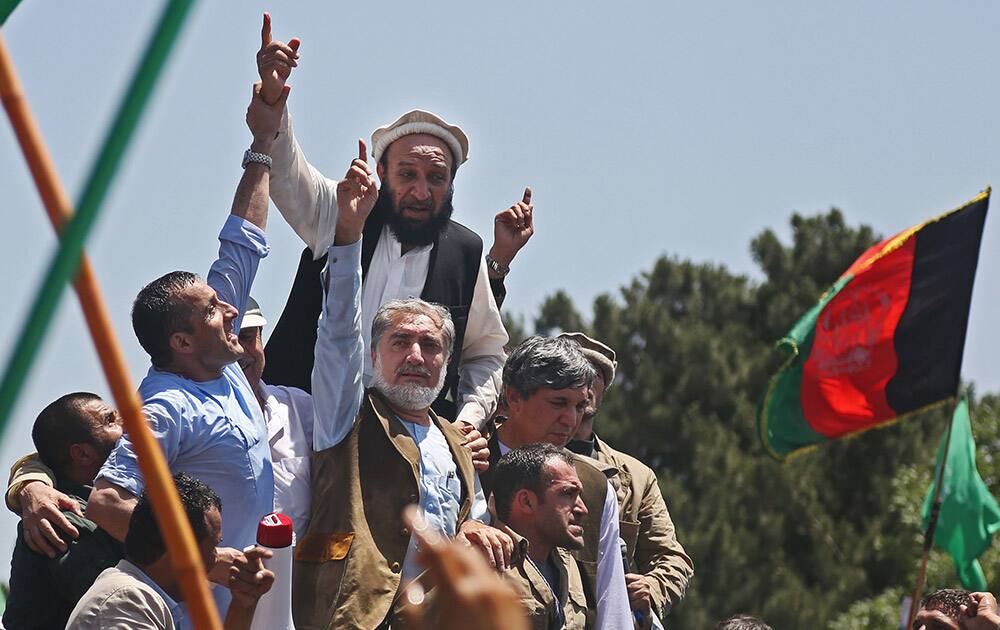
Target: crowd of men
{"x": 387, "y": 381}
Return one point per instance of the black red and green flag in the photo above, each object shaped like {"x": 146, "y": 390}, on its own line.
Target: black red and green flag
{"x": 884, "y": 341}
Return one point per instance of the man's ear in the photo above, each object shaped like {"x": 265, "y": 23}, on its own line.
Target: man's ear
{"x": 525, "y": 501}
{"x": 380, "y": 171}
{"x": 513, "y": 397}
{"x": 180, "y": 343}
{"x": 81, "y": 453}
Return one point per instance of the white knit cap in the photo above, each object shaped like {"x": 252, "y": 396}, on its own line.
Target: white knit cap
{"x": 419, "y": 121}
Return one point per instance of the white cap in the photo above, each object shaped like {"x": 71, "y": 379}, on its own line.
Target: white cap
{"x": 419, "y": 121}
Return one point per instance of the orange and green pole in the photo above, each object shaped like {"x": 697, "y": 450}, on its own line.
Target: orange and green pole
{"x": 170, "y": 515}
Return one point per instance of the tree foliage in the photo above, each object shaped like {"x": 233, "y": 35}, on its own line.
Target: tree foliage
{"x": 832, "y": 536}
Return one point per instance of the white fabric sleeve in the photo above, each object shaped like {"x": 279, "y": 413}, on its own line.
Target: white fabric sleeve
{"x": 482, "y": 355}
{"x": 613, "y": 610}
{"x": 336, "y": 377}
{"x": 306, "y": 198}
{"x": 480, "y": 508}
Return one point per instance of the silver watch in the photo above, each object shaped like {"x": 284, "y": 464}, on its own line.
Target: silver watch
{"x": 252, "y": 157}
{"x": 503, "y": 270}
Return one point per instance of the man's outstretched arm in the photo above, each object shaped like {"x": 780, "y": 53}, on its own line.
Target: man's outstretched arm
{"x": 340, "y": 352}
{"x": 305, "y": 197}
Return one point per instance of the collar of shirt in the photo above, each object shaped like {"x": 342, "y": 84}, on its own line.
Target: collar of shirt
{"x": 177, "y": 610}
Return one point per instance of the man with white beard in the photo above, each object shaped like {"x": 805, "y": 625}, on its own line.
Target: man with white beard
{"x": 381, "y": 449}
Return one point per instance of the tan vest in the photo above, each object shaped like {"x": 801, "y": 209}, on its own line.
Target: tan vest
{"x": 534, "y": 591}
{"x": 347, "y": 566}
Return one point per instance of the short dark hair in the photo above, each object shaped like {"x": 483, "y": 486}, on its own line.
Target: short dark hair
{"x": 524, "y": 469}
{"x": 553, "y": 362}
{"x": 157, "y": 314}
{"x": 144, "y": 542}
{"x": 742, "y": 622}
{"x": 60, "y": 425}
{"x": 947, "y": 600}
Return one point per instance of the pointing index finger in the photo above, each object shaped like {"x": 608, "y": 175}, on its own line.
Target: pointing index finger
{"x": 265, "y": 30}
{"x": 362, "y": 151}
{"x": 527, "y": 195}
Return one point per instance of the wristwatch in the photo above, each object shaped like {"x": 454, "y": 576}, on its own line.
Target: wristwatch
{"x": 496, "y": 267}
{"x": 252, "y": 157}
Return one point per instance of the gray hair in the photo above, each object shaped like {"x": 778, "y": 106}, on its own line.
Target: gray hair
{"x": 552, "y": 362}
{"x": 742, "y": 622}
{"x": 415, "y": 306}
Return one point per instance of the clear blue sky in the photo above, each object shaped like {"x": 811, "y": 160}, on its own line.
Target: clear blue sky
{"x": 644, "y": 129}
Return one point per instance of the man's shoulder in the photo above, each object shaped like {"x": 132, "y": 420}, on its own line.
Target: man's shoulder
{"x": 288, "y": 395}
{"x": 462, "y": 235}
{"x": 592, "y": 466}
{"x": 123, "y": 597}
{"x": 624, "y": 461}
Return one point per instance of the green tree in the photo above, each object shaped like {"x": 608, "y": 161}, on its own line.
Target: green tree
{"x": 833, "y": 532}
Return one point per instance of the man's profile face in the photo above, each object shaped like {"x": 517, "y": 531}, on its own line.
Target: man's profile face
{"x": 212, "y": 342}
{"x": 213, "y": 536}
{"x": 252, "y": 361}
{"x": 105, "y": 426}
{"x": 933, "y": 620}
{"x": 548, "y": 415}
{"x": 559, "y": 515}
{"x": 411, "y": 352}
{"x": 415, "y": 196}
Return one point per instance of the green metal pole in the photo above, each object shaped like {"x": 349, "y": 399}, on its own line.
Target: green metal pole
{"x": 67, "y": 259}
{"x": 6, "y": 8}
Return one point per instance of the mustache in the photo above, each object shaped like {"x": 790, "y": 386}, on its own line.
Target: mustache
{"x": 413, "y": 370}
{"x": 412, "y": 202}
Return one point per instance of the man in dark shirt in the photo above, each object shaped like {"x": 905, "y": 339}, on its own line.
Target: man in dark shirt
{"x": 73, "y": 436}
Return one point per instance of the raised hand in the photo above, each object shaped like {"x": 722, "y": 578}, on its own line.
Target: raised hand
{"x": 356, "y": 196}
{"x": 264, "y": 119}
{"x": 511, "y": 230}
{"x": 275, "y": 61}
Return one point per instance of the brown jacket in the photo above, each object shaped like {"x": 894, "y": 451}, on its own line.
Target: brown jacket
{"x": 347, "y": 566}
{"x": 647, "y": 529}
{"x": 534, "y": 591}
{"x": 594, "y": 475}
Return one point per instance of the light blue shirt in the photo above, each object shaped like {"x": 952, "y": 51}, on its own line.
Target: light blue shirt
{"x": 212, "y": 430}
{"x": 338, "y": 391}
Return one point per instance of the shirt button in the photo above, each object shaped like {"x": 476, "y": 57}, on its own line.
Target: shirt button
{"x": 413, "y": 498}
{"x": 405, "y": 532}
{"x": 394, "y": 567}
{"x": 333, "y": 260}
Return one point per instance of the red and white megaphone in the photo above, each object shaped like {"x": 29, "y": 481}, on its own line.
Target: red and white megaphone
{"x": 274, "y": 610}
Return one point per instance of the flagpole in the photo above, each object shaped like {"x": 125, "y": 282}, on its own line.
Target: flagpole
{"x": 931, "y": 522}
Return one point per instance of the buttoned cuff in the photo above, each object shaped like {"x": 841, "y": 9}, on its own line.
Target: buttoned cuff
{"x": 343, "y": 260}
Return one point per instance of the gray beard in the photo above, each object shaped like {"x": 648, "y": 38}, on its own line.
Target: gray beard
{"x": 407, "y": 396}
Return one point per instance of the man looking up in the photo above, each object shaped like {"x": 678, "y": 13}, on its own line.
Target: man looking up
{"x": 379, "y": 450}
{"x": 411, "y": 245}
{"x": 142, "y": 591}
{"x": 536, "y": 493}
{"x": 199, "y": 404}
{"x": 658, "y": 569}
{"x": 73, "y": 436}
{"x": 547, "y": 388}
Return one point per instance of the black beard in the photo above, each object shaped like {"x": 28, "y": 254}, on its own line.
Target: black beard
{"x": 410, "y": 231}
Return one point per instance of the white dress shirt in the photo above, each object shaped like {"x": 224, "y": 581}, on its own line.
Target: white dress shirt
{"x": 289, "y": 415}
{"x": 307, "y": 200}
{"x": 613, "y": 609}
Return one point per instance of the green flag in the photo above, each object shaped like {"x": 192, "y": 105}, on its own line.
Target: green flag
{"x": 969, "y": 514}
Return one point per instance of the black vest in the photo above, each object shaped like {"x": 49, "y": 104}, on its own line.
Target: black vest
{"x": 451, "y": 281}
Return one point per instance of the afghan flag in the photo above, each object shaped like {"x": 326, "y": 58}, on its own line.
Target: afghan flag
{"x": 884, "y": 341}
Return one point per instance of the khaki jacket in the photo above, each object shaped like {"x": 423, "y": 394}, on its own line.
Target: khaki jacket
{"x": 647, "y": 529}
{"x": 347, "y": 566}
{"x": 534, "y": 591}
